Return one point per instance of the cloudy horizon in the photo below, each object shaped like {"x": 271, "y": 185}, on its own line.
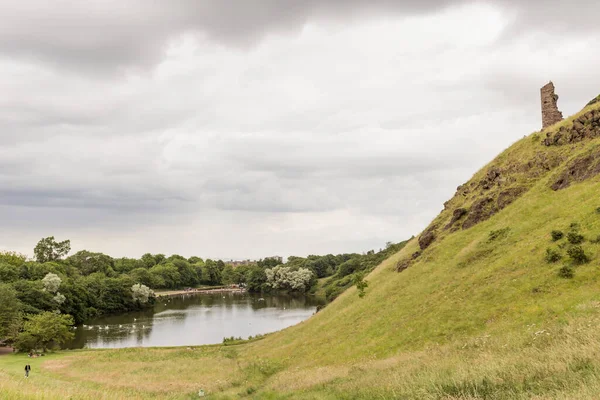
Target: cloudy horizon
{"x": 244, "y": 130}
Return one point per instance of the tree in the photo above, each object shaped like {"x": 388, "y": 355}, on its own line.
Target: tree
{"x": 8, "y": 272}
{"x": 88, "y": 262}
{"x": 10, "y": 312}
{"x": 361, "y": 284}
{"x": 44, "y": 331}
{"x": 51, "y": 282}
{"x": 283, "y": 278}
{"x": 141, "y": 293}
{"x": 49, "y": 249}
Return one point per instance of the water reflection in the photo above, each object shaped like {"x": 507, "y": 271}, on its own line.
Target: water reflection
{"x": 196, "y": 319}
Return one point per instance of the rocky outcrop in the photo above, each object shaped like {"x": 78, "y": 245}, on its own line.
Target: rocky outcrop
{"x": 586, "y": 126}
{"x": 492, "y": 178}
{"x": 550, "y": 113}
{"x": 427, "y": 238}
{"x": 456, "y": 216}
{"x": 509, "y": 195}
{"x": 481, "y": 210}
{"x": 578, "y": 170}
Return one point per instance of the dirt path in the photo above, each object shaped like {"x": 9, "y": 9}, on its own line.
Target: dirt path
{"x": 199, "y": 291}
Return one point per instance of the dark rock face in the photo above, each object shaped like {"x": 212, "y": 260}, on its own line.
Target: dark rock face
{"x": 492, "y": 178}
{"x": 579, "y": 170}
{"x": 586, "y": 126}
{"x": 481, "y": 210}
{"x": 426, "y": 238}
{"x": 402, "y": 265}
{"x": 456, "y": 215}
{"x": 508, "y": 196}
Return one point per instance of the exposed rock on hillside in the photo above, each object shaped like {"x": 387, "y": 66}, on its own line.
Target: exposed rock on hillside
{"x": 586, "y": 126}
{"x": 578, "y": 170}
{"x": 456, "y": 216}
{"x": 427, "y": 238}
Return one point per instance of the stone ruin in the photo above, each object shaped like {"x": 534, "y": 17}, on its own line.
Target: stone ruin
{"x": 550, "y": 113}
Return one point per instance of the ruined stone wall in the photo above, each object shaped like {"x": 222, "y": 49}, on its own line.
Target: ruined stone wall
{"x": 550, "y": 113}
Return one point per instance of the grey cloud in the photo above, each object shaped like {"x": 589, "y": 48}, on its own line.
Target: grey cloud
{"x": 115, "y": 35}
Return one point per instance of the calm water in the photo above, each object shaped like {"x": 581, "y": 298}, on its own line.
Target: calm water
{"x": 195, "y": 319}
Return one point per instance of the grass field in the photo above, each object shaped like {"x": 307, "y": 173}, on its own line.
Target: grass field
{"x": 471, "y": 318}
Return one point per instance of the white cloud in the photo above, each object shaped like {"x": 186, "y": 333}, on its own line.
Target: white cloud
{"x": 338, "y": 137}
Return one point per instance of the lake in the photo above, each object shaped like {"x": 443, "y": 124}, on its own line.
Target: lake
{"x": 196, "y": 319}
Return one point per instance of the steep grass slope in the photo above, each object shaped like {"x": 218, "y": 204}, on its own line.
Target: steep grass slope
{"x": 470, "y": 309}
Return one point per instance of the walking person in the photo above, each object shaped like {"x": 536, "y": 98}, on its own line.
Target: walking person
{"x": 27, "y": 369}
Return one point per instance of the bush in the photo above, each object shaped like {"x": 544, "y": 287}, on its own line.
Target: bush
{"x": 498, "y": 234}
{"x": 596, "y": 241}
{"x": 552, "y": 255}
{"x": 574, "y": 226}
{"x": 557, "y": 235}
{"x": 575, "y": 238}
{"x": 566, "y": 272}
{"x": 598, "y": 210}
{"x": 578, "y": 255}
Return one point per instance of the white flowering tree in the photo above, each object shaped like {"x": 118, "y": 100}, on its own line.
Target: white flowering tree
{"x": 51, "y": 282}
{"x": 141, "y": 293}
{"x": 59, "y": 298}
{"x": 283, "y": 278}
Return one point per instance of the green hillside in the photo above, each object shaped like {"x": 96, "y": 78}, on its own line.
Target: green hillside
{"x": 472, "y": 308}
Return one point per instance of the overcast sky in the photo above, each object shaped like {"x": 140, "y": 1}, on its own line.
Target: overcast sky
{"x": 244, "y": 129}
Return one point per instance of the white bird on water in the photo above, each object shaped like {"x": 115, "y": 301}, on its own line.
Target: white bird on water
{"x": 120, "y": 326}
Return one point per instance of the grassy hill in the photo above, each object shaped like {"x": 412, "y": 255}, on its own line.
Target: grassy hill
{"x": 472, "y": 308}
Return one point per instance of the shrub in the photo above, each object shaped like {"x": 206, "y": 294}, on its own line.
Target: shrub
{"x": 578, "y": 255}
{"x": 557, "y": 235}
{"x": 552, "y": 255}
{"x": 598, "y": 210}
{"x": 574, "y": 226}
{"x": 596, "y": 241}
{"x": 574, "y": 238}
{"x": 498, "y": 234}
{"x": 566, "y": 272}
{"x": 231, "y": 339}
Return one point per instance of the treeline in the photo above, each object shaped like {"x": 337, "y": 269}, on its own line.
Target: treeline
{"x": 87, "y": 284}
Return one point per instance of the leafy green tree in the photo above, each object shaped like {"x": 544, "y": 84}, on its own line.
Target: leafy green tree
{"x": 167, "y": 274}
{"x": 10, "y": 312}
{"x": 33, "y": 296}
{"x": 143, "y": 276}
{"x": 8, "y": 272}
{"x": 211, "y": 272}
{"x": 256, "y": 278}
{"x": 148, "y": 260}
{"x": 88, "y": 263}
{"x": 48, "y": 249}
{"x": 361, "y": 284}
{"x": 44, "y": 331}
{"x": 126, "y": 265}
{"x": 187, "y": 274}
{"x": 195, "y": 260}
{"x": 12, "y": 258}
